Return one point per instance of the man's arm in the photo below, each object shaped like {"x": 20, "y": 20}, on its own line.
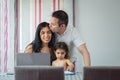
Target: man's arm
{"x": 86, "y": 56}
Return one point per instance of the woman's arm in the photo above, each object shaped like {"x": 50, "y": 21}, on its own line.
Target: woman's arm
{"x": 29, "y": 49}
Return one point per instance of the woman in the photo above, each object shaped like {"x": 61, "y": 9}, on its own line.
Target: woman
{"x": 44, "y": 40}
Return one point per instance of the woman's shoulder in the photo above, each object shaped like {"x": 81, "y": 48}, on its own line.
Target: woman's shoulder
{"x": 29, "y": 49}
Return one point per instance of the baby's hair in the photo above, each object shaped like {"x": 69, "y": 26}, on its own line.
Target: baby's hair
{"x": 62, "y": 45}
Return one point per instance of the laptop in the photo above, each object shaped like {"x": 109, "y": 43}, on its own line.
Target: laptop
{"x": 24, "y": 59}
{"x": 101, "y": 73}
{"x": 39, "y": 73}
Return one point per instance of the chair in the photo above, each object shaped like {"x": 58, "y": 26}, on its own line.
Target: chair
{"x": 39, "y": 73}
{"x": 101, "y": 73}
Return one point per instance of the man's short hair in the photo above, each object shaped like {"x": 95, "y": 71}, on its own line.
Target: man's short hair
{"x": 62, "y": 16}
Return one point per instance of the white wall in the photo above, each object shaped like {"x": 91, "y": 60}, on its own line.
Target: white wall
{"x": 99, "y": 23}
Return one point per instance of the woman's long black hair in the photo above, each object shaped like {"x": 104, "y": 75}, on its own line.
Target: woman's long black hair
{"x": 37, "y": 43}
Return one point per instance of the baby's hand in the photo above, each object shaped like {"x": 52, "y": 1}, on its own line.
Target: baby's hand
{"x": 69, "y": 69}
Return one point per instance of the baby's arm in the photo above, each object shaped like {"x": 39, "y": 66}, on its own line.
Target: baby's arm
{"x": 70, "y": 65}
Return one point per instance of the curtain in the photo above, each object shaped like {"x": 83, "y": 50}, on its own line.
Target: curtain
{"x": 7, "y": 24}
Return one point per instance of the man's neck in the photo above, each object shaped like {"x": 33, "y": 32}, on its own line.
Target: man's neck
{"x": 62, "y": 31}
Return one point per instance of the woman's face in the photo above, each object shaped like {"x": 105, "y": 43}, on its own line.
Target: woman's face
{"x": 45, "y": 35}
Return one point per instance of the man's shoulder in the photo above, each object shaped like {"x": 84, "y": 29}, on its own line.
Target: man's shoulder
{"x": 71, "y": 27}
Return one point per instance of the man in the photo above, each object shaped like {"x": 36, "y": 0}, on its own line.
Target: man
{"x": 69, "y": 35}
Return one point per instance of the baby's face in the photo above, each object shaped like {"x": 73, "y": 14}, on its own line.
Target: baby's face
{"x": 60, "y": 53}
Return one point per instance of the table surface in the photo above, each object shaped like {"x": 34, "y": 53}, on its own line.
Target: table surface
{"x": 76, "y": 76}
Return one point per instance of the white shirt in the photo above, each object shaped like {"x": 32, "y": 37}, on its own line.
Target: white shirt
{"x": 72, "y": 38}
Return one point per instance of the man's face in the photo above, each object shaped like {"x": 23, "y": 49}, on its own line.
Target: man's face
{"x": 54, "y": 26}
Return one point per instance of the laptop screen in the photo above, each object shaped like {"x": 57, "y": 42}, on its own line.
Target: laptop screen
{"x": 24, "y": 59}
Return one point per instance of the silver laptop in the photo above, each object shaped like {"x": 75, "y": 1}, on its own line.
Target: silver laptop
{"x": 24, "y": 59}
{"x": 39, "y": 73}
